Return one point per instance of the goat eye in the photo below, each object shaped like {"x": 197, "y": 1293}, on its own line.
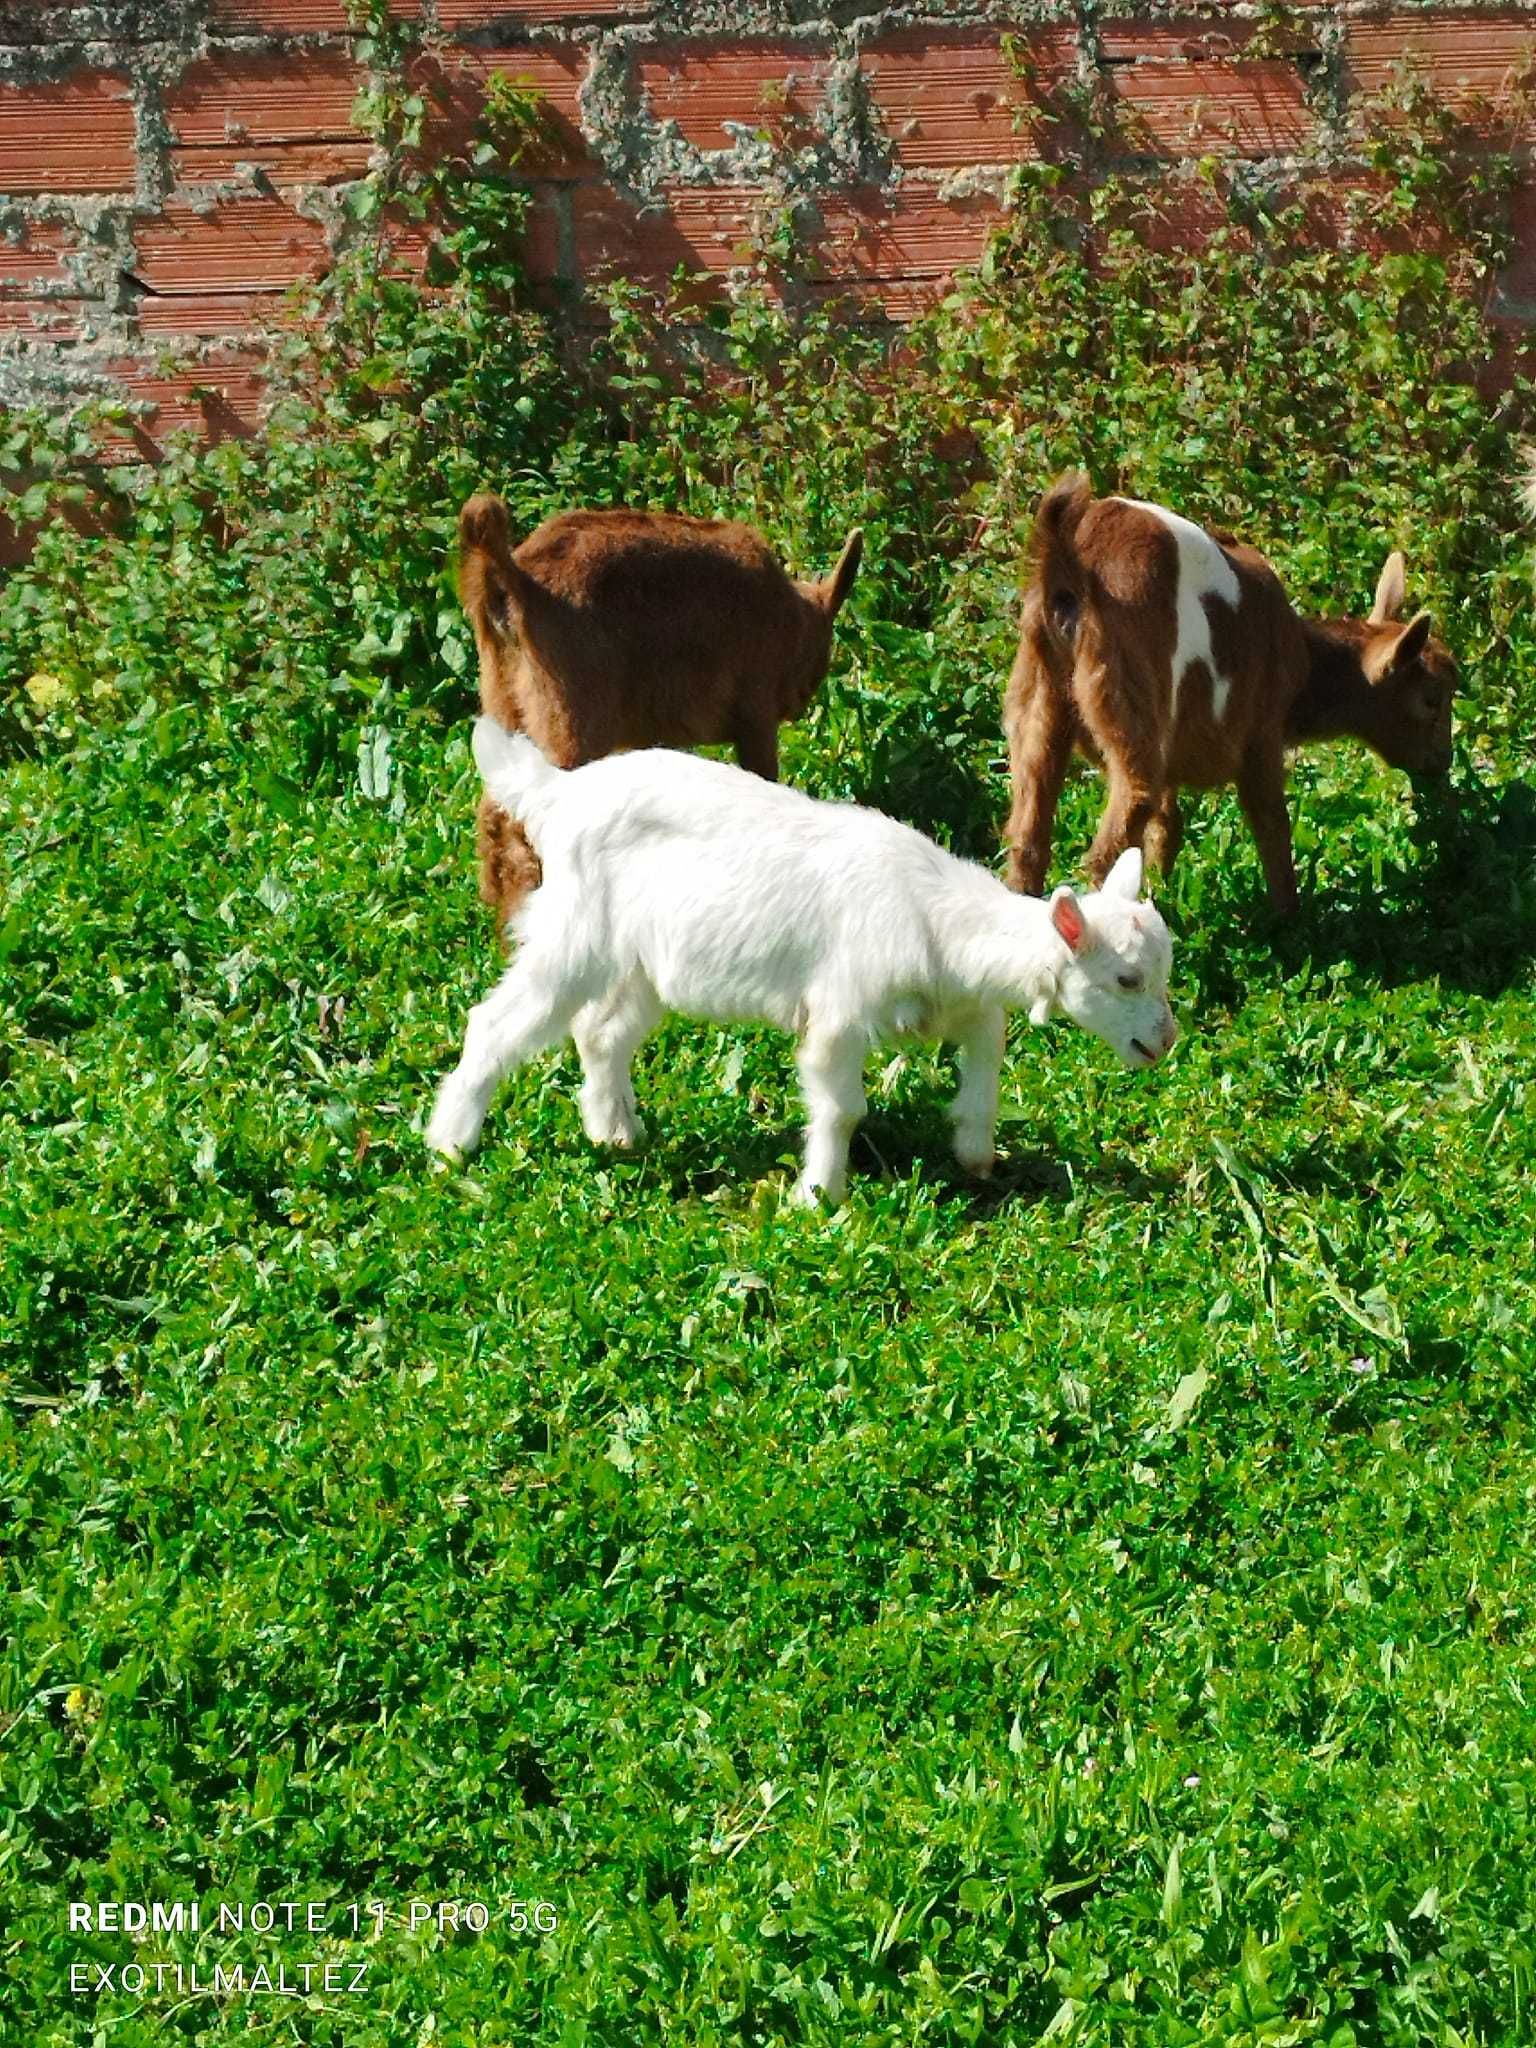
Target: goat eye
{"x": 1130, "y": 981}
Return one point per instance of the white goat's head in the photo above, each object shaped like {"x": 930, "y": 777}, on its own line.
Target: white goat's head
{"x": 1114, "y": 981}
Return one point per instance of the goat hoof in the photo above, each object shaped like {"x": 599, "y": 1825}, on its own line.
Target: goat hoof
{"x": 611, "y": 1123}
{"x": 617, "y": 1137}
{"x": 809, "y": 1194}
{"x": 453, "y": 1131}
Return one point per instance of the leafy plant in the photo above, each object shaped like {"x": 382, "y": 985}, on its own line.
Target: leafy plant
{"x": 1089, "y": 1608}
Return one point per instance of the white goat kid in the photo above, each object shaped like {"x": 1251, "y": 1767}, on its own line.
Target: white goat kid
{"x": 675, "y": 883}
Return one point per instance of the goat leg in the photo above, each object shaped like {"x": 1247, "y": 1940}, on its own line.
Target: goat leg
{"x": 832, "y": 1081}
{"x": 973, "y": 1113}
{"x": 1165, "y": 833}
{"x": 1134, "y": 798}
{"x": 1041, "y": 728}
{"x": 1261, "y": 791}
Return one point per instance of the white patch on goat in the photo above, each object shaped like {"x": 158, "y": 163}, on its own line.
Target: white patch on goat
{"x": 1204, "y": 571}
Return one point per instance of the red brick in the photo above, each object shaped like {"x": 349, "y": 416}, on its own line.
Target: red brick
{"x": 950, "y": 100}
{"x": 700, "y": 228}
{"x": 241, "y": 245}
{"x": 409, "y": 243}
{"x": 209, "y": 315}
{"x": 38, "y": 319}
{"x": 1466, "y": 57}
{"x": 1167, "y": 213}
{"x": 753, "y": 85}
{"x": 542, "y": 237}
{"x": 907, "y": 235}
{"x": 901, "y": 299}
{"x": 459, "y": 14}
{"x": 1125, "y": 41}
{"x": 75, "y": 135}
{"x": 32, "y": 253}
{"x": 292, "y": 114}
{"x": 95, "y": 516}
{"x": 897, "y": 252}
{"x": 38, "y": 298}
{"x": 1354, "y": 212}
{"x": 220, "y": 400}
{"x": 1513, "y": 355}
{"x": 454, "y": 83}
{"x": 1217, "y": 107}
{"x": 288, "y": 17}
{"x": 894, "y": 255}
{"x": 1347, "y": 212}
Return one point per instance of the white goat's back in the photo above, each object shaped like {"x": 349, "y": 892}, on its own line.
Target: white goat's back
{"x": 738, "y": 897}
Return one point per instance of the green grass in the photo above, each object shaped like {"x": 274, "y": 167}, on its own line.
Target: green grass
{"x": 1094, "y": 1606}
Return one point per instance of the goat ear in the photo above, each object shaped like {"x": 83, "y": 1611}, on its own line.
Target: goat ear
{"x": 831, "y": 590}
{"x": 1124, "y": 878}
{"x": 1390, "y": 656}
{"x": 1391, "y": 589}
{"x": 1067, "y": 917}
{"x": 1412, "y": 640}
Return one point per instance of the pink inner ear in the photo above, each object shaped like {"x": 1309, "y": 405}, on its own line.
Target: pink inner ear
{"x": 1068, "y": 919}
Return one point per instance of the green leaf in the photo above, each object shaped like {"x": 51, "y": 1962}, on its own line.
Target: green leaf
{"x": 374, "y": 765}
{"x": 1185, "y": 1398}
{"x": 1171, "y": 1909}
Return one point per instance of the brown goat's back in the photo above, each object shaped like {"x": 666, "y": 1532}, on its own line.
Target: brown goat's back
{"x": 612, "y": 629}
{"x": 656, "y": 568}
{"x": 1125, "y": 585}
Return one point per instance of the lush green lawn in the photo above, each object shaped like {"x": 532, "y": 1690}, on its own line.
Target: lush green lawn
{"x": 1094, "y": 1606}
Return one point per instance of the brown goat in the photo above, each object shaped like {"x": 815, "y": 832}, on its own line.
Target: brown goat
{"x": 1172, "y": 657}
{"x": 610, "y": 630}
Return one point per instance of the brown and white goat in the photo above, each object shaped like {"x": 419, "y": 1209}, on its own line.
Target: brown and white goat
{"x": 610, "y": 630}
{"x": 1172, "y": 656}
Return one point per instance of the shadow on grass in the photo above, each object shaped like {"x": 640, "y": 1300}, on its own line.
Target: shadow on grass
{"x": 889, "y": 1150}
{"x": 925, "y": 780}
{"x": 1466, "y": 912}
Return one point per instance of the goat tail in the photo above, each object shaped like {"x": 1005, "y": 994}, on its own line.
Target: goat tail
{"x": 516, "y": 775}
{"x": 490, "y": 581}
{"x": 1058, "y": 573}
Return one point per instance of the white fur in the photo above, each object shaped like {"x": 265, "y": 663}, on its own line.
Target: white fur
{"x": 675, "y": 883}
{"x": 1204, "y": 571}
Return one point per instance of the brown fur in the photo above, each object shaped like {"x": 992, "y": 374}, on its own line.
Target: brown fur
{"x": 610, "y": 630}
{"x": 1094, "y": 672}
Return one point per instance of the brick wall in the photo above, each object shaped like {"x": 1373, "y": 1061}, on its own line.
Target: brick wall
{"x": 168, "y": 167}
